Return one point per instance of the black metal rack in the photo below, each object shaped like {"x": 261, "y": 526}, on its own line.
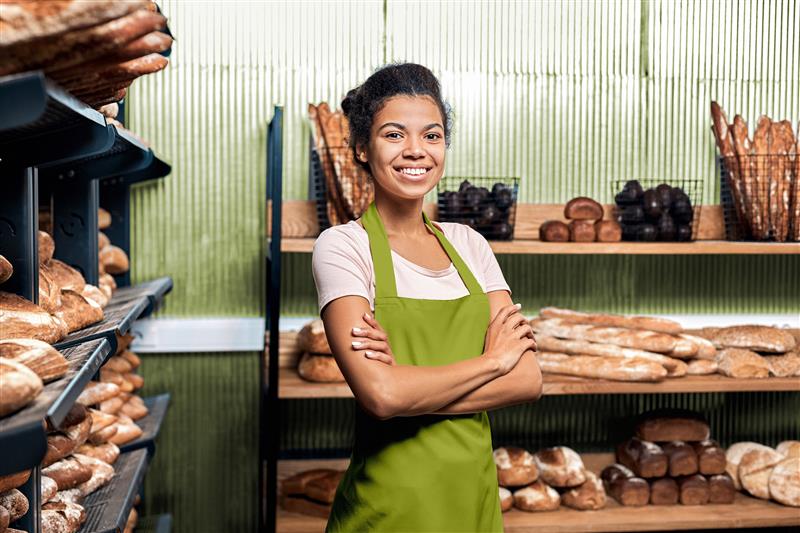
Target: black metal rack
{"x": 150, "y": 424}
{"x": 153, "y": 290}
{"x": 119, "y": 316}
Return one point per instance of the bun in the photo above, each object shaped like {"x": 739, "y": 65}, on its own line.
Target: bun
{"x": 516, "y": 467}
{"x": 583, "y": 208}
{"x": 582, "y": 231}
{"x": 554, "y": 231}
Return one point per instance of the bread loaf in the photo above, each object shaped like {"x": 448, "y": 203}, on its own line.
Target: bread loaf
{"x": 319, "y": 368}
{"x": 733, "y": 456}
{"x": 702, "y": 367}
{"x": 103, "y": 219}
{"x": 756, "y": 338}
{"x": 132, "y": 358}
{"x": 79, "y": 432}
{"x": 741, "y": 363}
{"x": 46, "y": 246}
{"x": 42, "y": 358}
{"x": 6, "y": 270}
{"x": 15, "y": 503}
{"x": 705, "y": 348}
{"x": 608, "y": 231}
{"x": 538, "y": 496}
{"x": 784, "y": 366}
{"x": 618, "y": 321}
{"x": 583, "y": 208}
{"x": 630, "y": 338}
{"x": 19, "y": 384}
{"x": 135, "y": 379}
{"x": 134, "y": 408}
{"x": 104, "y": 435}
{"x": 5, "y": 519}
{"x": 721, "y": 489}
{"x": 685, "y": 348}
{"x": 58, "y": 447}
{"x": 66, "y": 277}
{"x": 664, "y": 491}
{"x": 554, "y": 231}
{"x": 90, "y": 292}
{"x": 311, "y": 338}
{"x": 60, "y": 517}
{"x": 113, "y": 405}
{"x": 560, "y": 466}
{"x": 710, "y": 457}
{"x": 78, "y": 311}
{"x": 622, "y": 485}
{"x": 323, "y": 488}
{"x": 108, "y": 452}
{"x": 693, "y": 490}
{"x": 68, "y": 473}
{"x": 110, "y": 376}
{"x": 49, "y": 292}
{"x": 296, "y": 484}
{"x": 601, "y": 367}
{"x": 784, "y": 482}
{"x": 755, "y": 469}
{"x": 789, "y": 448}
{"x": 118, "y": 364}
{"x": 582, "y": 231}
{"x": 547, "y": 343}
{"x": 12, "y": 481}
{"x": 20, "y": 318}
{"x": 516, "y": 467}
{"x": 682, "y": 458}
{"x": 643, "y": 458}
{"x": 96, "y": 392}
{"x": 114, "y": 259}
{"x": 666, "y": 425}
{"x": 49, "y": 489}
{"x": 102, "y": 473}
{"x": 588, "y": 496}
{"x": 126, "y": 433}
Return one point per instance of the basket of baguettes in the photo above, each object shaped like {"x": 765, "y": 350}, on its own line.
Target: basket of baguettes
{"x": 94, "y": 49}
{"x": 760, "y": 178}
{"x": 641, "y": 348}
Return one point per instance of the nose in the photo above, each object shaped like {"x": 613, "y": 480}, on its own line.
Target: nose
{"x": 413, "y": 148}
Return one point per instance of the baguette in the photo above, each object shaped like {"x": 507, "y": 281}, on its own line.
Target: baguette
{"x": 685, "y": 348}
{"x": 724, "y": 140}
{"x": 618, "y": 321}
{"x": 601, "y": 367}
{"x": 761, "y": 171}
{"x": 705, "y": 348}
{"x": 742, "y": 146}
{"x": 630, "y": 338}
{"x": 574, "y": 347}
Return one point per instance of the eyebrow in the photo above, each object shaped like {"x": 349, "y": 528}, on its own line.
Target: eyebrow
{"x": 402, "y": 127}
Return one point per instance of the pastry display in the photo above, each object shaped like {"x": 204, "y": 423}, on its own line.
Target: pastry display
{"x": 584, "y": 224}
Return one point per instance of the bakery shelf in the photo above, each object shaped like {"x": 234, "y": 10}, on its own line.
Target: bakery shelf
{"x": 22, "y": 435}
{"x": 119, "y": 315}
{"x": 161, "y": 523}
{"x": 157, "y": 168}
{"x": 293, "y": 386}
{"x": 107, "y": 509}
{"x": 534, "y": 247}
{"x": 743, "y": 513}
{"x": 150, "y": 424}
{"x": 40, "y": 123}
{"x": 153, "y": 290}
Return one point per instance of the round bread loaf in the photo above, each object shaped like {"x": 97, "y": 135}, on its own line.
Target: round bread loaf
{"x": 608, "y": 231}
{"x": 47, "y": 246}
{"x": 506, "y": 499}
{"x": 733, "y": 456}
{"x": 784, "y": 482}
{"x": 582, "y": 231}
{"x": 583, "y": 208}
{"x": 755, "y": 469}
{"x": 114, "y": 259}
{"x": 319, "y": 368}
{"x": 516, "y": 467}
{"x": 537, "y": 497}
{"x": 554, "y": 231}
{"x": 560, "y": 467}
{"x": 311, "y": 338}
{"x": 103, "y": 219}
{"x": 789, "y": 448}
{"x": 20, "y": 385}
{"x": 590, "y": 495}
{"x": 6, "y": 270}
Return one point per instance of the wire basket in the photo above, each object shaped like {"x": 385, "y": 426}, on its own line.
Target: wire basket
{"x": 760, "y": 197}
{"x": 488, "y": 205}
{"x": 341, "y": 188}
{"x": 659, "y": 211}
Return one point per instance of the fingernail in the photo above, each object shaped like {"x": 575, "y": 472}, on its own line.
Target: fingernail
{"x": 356, "y": 330}
{"x": 356, "y": 344}
{"x": 368, "y": 353}
{"x": 367, "y": 315}
{"x": 518, "y": 306}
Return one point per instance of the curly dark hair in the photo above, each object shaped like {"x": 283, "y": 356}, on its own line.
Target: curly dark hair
{"x": 362, "y": 103}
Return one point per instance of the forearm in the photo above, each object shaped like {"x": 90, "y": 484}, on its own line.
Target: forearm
{"x": 522, "y": 384}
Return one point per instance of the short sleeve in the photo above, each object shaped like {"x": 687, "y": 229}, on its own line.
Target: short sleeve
{"x": 338, "y": 268}
{"x": 493, "y": 276}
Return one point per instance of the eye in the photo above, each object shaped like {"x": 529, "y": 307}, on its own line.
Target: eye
{"x": 393, "y": 135}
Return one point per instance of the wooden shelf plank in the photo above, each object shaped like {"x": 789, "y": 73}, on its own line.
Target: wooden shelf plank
{"x": 293, "y": 386}
{"x": 744, "y": 512}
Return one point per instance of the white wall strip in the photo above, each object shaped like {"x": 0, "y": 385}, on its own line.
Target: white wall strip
{"x": 173, "y": 335}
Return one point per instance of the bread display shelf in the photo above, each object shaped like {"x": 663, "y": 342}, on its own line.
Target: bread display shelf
{"x": 293, "y": 386}
{"x": 157, "y": 168}
{"x": 743, "y": 513}
{"x": 150, "y": 424}
{"x": 118, "y": 319}
{"x": 43, "y": 124}
{"x": 22, "y": 435}
{"x": 107, "y": 509}
{"x": 153, "y": 290}
{"x": 161, "y": 523}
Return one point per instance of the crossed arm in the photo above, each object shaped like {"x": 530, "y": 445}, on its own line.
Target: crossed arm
{"x": 388, "y": 390}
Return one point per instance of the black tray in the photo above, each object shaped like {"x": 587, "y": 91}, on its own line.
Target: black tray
{"x": 118, "y": 319}
{"x": 150, "y": 424}
{"x": 153, "y": 290}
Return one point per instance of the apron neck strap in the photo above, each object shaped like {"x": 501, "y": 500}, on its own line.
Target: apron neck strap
{"x": 385, "y": 284}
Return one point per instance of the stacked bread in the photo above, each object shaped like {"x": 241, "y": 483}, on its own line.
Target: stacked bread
{"x": 317, "y": 362}
{"x": 93, "y": 48}
{"x": 545, "y": 480}
{"x": 670, "y": 460}
{"x": 310, "y": 492}
{"x": 586, "y": 224}
{"x": 767, "y": 473}
{"x": 25, "y": 366}
{"x": 763, "y": 174}
{"x": 348, "y": 189}
{"x": 112, "y": 259}
{"x": 13, "y": 503}
{"x": 755, "y": 351}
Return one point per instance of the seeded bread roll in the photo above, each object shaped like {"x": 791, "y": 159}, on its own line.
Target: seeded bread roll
{"x": 756, "y": 338}
{"x": 784, "y": 482}
{"x": 682, "y": 458}
{"x": 622, "y": 485}
{"x": 515, "y": 467}
{"x": 554, "y": 231}
{"x": 645, "y": 459}
{"x": 710, "y": 457}
{"x": 506, "y": 499}
{"x": 664, "y": 491}
{"x": 560, "y": 467}
{"x": 693, "y": 490}
{"x": 741, "y": 363}
{"x": 20, "y": 386}
{"x": 582, "y": 231}
{"x": 583, "y": 208}
{"x": 588, "y": 496}
{"x": 721, "y": 489}
{"x": 537, "y": 496}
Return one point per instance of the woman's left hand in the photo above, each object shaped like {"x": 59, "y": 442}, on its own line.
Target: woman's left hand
{"x": 374, "y": 340}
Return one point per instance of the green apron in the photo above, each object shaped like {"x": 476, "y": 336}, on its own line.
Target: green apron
{"x": 431, "y": 473}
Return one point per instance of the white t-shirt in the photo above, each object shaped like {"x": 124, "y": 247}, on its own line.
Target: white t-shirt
{"x": 342, "y": 266}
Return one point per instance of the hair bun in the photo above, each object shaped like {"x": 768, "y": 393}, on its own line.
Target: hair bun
{"x": 350, "y": 101}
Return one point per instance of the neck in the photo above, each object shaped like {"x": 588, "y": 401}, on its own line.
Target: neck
{"x": 401, "y": 217}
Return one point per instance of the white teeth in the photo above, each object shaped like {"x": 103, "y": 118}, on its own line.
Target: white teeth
{"x": 413, "y": 171}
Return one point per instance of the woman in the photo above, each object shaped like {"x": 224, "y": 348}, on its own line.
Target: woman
{"x": 428, "y": 365}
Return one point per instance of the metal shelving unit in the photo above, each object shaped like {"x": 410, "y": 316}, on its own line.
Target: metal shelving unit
{"x": 150, "y": 424}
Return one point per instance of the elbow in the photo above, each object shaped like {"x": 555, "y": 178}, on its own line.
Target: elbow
{"x": 380, "y": 403}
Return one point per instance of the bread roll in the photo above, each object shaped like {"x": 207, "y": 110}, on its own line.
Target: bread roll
{"x": 6, "y": 270}
{"x": 49, "y": 489}
{"x": 47, "y": 247}
{"x": 617, "y": 321}
{"x": 560, "y": 466}
{"x": 119, "y": 364}
{"x": 755, "y": 469}
{"x": 102, "y": 473}
{"x": 20, "y": 318}
{"x": 582, "y": 231}
{"x": 323, "y": 488}
{"x": 101, "y": 420}
{"x": 15, "y": 503}
{"x": 96, "y": 392}
{"x": 741, "y": 363}
{"x": 537, "y": 496}
{"x": 702, "y": 367}
{"x": 135, "y": 379}
{"x": 103, "y": 219}
{"x": 114, "y": 260}
{"x": 126, "y": 433}
{"x": 640, "y": 339}
{"x": 311, "y": 338}
{"x": 132, "y": 358}
{"x": 789, "y": 448}
{"x": 319, "y": 368}
{"x": 68, "y": 473}
{"x": 110, "y": 376}
{"x": 516, "y": 467}
{"x": 664, "y": 491}
{"x": 134, "y": 409}
{"x": 645, "y": 459}
{"x": 784, "y": 366}
{"x": 506, "y": 499}
{"x": 42, "y": 358}
{"x": 784, "y": 482}
{"x": 19, "y": 384}
{"x": 721, "y": 489}
{"x": 583, "y": 208}
{"x": 12, "y": 481}
{"x": 628, "y": 489}
{"x": 588, "y": 496}
{"x": 733, "y": 456}
{"x": 104, "y": 435}
{"x": 672, "y": 424}
{"x": 102, "y": 239}
{"x": 756, "y": 338}
{"x": 554, "y": 231}
{"x": 693, "y": 490}
{"x": 108, "y": 452}
{"x": 296, "y": 484}
{"x": 682, "y": 458}
{"x": 608, "y": 231}
{"x": 710, "y": 457}
{"x": 601, "y": 367}
{"x": 113, "y": 405}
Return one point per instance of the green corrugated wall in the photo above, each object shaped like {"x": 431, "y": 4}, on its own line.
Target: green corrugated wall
{"x": 569, "y": 96}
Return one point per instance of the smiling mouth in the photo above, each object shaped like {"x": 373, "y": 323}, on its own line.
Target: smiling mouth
{"x": 413, "y": 173}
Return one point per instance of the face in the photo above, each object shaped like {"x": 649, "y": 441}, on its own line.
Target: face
{"x": 407, "y": 146}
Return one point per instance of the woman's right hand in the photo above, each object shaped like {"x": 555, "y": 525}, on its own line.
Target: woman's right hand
{"x": 508, "y": 337}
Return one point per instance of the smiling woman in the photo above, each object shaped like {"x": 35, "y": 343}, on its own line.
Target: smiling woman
{"x": 445, "y": 343}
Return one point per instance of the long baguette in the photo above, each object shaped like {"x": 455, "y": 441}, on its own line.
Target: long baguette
{"x": 640, "y": 339}
{"x": 705, "y": 348}
{"x": 742, "y": 145}
{"x": 724, "y": 140}
{"x": 576, "y": 347}
{"x": 761, "y": 171}
{"x": 601, "y": 367}
{"x": 618, "y": 321}
{"x": 794, "y": 214}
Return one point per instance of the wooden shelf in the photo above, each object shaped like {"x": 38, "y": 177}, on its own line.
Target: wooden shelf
{"x": 291, "y": 385}
{"x": 744, "y": 512}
